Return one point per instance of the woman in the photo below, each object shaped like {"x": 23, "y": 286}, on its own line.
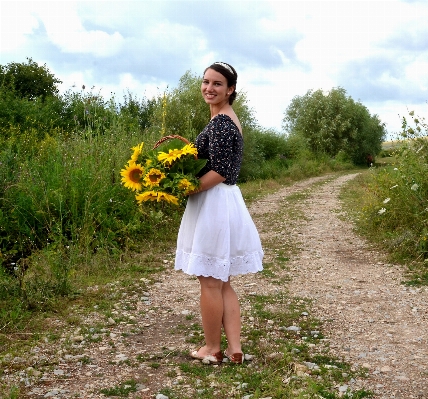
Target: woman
{"x": 217, "y": 237}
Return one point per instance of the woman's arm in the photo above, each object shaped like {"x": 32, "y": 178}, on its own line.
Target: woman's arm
{"x": 208, "y": 180}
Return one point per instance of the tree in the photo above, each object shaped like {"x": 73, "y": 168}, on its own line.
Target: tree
{"x": 333, "y": 122}
{"x": 29, "y": 80}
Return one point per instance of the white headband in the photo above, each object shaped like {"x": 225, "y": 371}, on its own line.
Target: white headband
{"x": 225, "y": 66}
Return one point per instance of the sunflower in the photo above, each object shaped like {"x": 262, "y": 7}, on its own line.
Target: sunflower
{"x": 167, "y": 197}
{"x": 170, "y": 157}
{"x": 131, "y": 175}
{"x": 153, "y": 177}
{"x": 157, "y": 196}
{"x": 186, "y": 186}
{"x": 147, "y": 196}
{"x": 138, "y": 149}
{"x": 190, "y": 149}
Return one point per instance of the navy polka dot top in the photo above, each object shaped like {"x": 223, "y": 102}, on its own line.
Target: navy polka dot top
{"x": 222, "y": 145}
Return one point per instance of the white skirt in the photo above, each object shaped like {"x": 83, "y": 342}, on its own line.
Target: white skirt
{"x": 217, "y": 237}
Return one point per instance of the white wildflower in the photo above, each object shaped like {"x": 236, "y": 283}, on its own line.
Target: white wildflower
{"x": 414, "y": 187}
{"x": 395, "y": 168}
{"x": 386, "y": 200}
{"x": 382, "y": 210}
{"x": 394, "y": 186}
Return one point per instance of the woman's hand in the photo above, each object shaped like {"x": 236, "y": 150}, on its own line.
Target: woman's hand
{"x": 208, "y": 180}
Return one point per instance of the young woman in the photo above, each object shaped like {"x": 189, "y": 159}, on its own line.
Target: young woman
{"x": 217, "y": 237}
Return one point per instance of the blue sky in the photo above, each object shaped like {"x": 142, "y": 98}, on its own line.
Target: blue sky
{"x": 376, "y": 50}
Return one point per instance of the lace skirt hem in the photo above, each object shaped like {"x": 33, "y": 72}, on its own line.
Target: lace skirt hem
{"x": 201, "y": 265}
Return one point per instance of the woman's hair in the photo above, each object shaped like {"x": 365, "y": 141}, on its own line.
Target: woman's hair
{"x": 228, "y": 71}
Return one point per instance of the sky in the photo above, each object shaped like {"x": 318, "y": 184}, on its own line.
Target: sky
{"x": 376, "y": 50}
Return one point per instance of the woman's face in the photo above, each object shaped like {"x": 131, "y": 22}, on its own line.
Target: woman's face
{"x": 214, "y": 87}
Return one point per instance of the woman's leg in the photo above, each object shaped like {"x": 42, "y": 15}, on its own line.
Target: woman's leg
{"x": 231, "y": 319}
{"x": 212, "y": 313}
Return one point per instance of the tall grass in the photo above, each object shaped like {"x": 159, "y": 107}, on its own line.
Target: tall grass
{"x": 393, "y": 200}
{"x": 61, "y": 203}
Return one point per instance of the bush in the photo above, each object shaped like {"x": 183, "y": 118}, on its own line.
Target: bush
{"x": 29, "y": 80}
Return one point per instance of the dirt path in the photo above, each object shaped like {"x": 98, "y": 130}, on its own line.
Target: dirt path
{"x": 370, "y": 318}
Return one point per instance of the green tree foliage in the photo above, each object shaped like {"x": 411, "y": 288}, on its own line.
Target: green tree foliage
{"x": 29, "y": 100}
{"x": 333, "y": 122}
{"x": 29, "y": 80}
{"x": 139, "y": 110}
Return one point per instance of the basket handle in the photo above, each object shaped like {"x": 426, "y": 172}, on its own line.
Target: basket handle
{"x": 170, "y": 137}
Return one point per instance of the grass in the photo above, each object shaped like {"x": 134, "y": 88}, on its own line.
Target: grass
{"x": 285, "y": 366}
{"x": 122, "y": 390}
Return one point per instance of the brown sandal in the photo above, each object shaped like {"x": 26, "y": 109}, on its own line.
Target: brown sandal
{"x": 214, "y": 358}
{"x": 237, "y": 358}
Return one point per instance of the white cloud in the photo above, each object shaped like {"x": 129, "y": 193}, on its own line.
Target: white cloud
{"x": 15, "y": 26}
{"x": 414, "y": 75}
{"x": 174, "y": 36}
{"x": 271, "y": 91}
{"x": 64, "y": 29}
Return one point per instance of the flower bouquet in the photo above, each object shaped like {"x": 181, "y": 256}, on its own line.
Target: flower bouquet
{"x": 167, "y": 173}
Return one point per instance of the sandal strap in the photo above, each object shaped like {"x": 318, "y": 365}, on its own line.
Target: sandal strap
{"x": 235, "y": 358}
{"x": 218, "y": 356}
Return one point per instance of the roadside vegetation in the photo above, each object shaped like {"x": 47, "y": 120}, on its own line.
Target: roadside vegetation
{"x": 390, "y": 203}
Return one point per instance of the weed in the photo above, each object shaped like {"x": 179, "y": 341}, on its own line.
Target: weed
{"x": 86, "y": 360}
{"x": 123, "y": 390}
{"x": 12, "y": 393}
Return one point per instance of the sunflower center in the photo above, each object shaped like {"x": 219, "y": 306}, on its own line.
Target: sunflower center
{"x": 135, "y": 175}
{"x": 154, "y": 177}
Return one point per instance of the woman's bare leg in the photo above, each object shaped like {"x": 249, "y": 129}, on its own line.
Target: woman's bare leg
{"x": 231, "y": 319}
{"x": 212, "y": 314}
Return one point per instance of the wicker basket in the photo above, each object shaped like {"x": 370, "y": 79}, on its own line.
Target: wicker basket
{"x": 172, "y": 137}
